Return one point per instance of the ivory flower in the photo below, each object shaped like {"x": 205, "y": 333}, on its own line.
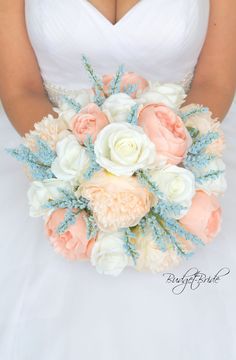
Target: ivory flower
{"x": 108, "y": 254}
{"x": 123, "y": 149}
{"x": 214, "y": 186}
{"x": 83, "y": 97}
{"x": 71, "y": 161}
{"x": 40, "y": 192}
{"x": 171, "y": 95}
{"x": 117, "y": 107}
{"x": 177, "y": 184}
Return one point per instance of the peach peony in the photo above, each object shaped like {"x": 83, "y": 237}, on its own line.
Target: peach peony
{"x": 151, "y": 257}
{"x": 49, "y": 129}
{"x": 167, "y": 131}
{"x": 73, "y": 244}
{"x": 204, "y": 216}
{"x": 116, "y": 201}
{"x": 204, "y": 122}
{"x": 129, "y": 78}
{"x": 89, "y": 121}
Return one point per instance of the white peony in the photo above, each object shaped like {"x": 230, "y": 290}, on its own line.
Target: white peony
{"x": 71, "y": 161}
{"x": 117, "y": 107}
{"x": 171, "y": 95}
{"x": 151, "y": 258}
{"x": 214, "y": 186}
{"x": 122, "y": 149}
{"x": 83, "y": 97}
{"x": 40, "y": 192}
{"x": 177, "y": 184}
{"x": 108, "y": 255}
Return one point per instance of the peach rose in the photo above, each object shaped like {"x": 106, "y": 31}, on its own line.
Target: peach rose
{"x": 129, "y": 78}
{"x": 89, "y": 121}
{"x": 117, "y": 201}
{"x": 167, "y": 131}
{"x": 73, "y": 243}
{"x": 204, "y": 216}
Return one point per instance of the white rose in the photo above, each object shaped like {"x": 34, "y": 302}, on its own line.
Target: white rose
{"x": 40, "y": 192}
{"x": 177, "y": 184}
{"x": 122, "y": 149}
{"x": 117, "y": 107}
{"x": 71, "y": 161}
{"x": 215, "y": 186}
{"x": 83, "y": 97}
{"x": 171, "y": 95}
{"x": 151, "y": 258}
{"x": 108, "y": 254}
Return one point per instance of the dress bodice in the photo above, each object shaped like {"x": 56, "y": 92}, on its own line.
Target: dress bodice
{"x": 159, "y": 39}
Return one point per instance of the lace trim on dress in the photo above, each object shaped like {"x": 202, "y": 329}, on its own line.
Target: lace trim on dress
{"x": 55, "y": 92}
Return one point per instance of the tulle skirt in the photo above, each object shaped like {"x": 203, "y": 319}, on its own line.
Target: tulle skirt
{"x": 54, "y": 309}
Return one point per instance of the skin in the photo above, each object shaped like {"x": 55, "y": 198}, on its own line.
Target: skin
{"x": 21, "y": 85}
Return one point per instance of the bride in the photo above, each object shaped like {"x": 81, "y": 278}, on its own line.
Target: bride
{"x": 53, "y": 309}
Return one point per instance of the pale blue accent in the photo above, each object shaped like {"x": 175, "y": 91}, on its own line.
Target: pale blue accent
{"x": 130, "y": 89}
{"x": 94, "y": 166}
{"x": 114, "y": 87}
{"x": 133, "y": 115}
{"x": 211, "y": 175}
{"x": 130, "y": 249}
{"x": 197, "y": 110}
{"x": 202, "y": 142}
{"x": 69, "y": 219}
{"x": 68, "y": 200}
{"x": 72, "y": 103}
{"x": 38, "y": 162}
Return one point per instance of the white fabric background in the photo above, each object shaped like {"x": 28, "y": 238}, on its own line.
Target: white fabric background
{"x": 54, "y": 309}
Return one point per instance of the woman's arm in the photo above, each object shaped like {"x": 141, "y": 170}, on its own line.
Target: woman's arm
{"x": 21, "y": 87}
{"x": 214, "y": 81}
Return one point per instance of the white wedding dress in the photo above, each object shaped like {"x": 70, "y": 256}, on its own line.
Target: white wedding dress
{"x": 54, "y": 309}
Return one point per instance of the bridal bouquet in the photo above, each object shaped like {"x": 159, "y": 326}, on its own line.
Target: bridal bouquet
{"x": 124, "y": 176}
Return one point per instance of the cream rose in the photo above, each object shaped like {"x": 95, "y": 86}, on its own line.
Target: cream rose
{"x": 177, "y": 184}
{"x": 122, "y": 149}
{"x": 171, "y": 95}
{"x": 213, "y": 186}
{"x": 71, "y": 161}
{"x": 108, "y": 254}
{"x": 116, "y": 201}
{"x": 83, "y": 97}
{"x": 117, "y": 107}
{"x": 40, "y": 192}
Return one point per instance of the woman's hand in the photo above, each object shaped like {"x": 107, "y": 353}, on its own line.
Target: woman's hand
{"x": 214, "y": 81}
{"x": 21, "y": 87}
